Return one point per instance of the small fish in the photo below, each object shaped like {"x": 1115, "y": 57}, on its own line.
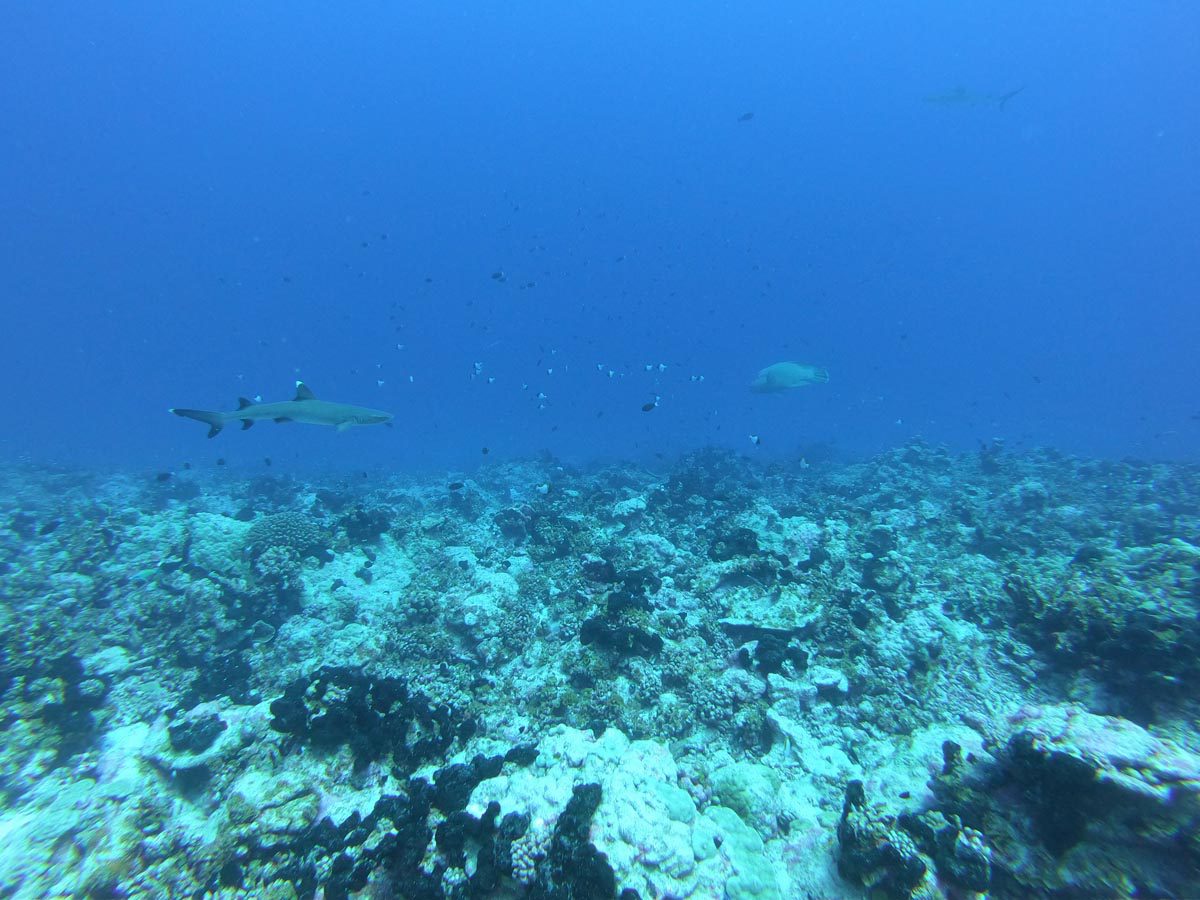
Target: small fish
{"x": 746, "y": 117}
{"x": 162, "y": 476}
{"x": 755, "y": 440}
{"x": 455, "y": 485}
{"x": 646, "y": 407}
{"x": 485, "y": 451}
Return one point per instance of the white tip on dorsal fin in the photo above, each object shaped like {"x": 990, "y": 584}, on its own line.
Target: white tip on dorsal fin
{"x": 303, "y": 392}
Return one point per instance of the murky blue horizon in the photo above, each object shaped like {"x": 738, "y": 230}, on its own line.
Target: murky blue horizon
{"x": 447, "y": 212}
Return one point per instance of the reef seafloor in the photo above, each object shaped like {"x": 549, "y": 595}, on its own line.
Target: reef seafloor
{"x": 923, "y": 675}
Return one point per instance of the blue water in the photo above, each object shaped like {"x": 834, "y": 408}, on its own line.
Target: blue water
{"x": 204, "y": 201}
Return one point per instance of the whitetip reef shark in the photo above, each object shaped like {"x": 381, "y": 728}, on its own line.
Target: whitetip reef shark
{"x": 304, "y": 407}
{"x": 960, "y": 96}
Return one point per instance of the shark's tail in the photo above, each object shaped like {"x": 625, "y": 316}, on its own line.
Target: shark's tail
{"x": 214, "y": 420}
{"x": 1004, "y": 98}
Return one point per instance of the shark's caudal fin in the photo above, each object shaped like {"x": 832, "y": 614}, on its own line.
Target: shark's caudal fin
{"x": 1004, "y": 98}
{"x": 214, "y": 420}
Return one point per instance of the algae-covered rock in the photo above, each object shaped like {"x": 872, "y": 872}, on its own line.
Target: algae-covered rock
{"x": 875, "y": 852}
{"x": 753, "y": 876}
{"x": 751, "y": 790}
{"x": 216, "y": 541}
{"x": 1075, "y": 804}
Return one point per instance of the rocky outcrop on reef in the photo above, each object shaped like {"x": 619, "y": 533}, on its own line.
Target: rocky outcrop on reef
{"x": 1071, "y": 805}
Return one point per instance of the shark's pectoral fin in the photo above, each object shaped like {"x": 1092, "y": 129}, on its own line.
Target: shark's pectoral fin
{"x": 342, "y": 426}
{"x": 246, "y": 423}
{"x": 282, "y": 419}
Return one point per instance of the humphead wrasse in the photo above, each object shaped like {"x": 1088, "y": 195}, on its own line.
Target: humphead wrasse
{"x": 783, "y": 376}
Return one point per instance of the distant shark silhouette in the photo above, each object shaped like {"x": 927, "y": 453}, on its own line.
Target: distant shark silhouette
{"x": 304, "y": 408}
{"x": 960, "y": 96}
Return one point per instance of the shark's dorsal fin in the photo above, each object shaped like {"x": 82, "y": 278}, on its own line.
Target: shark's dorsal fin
{"x": 243, "y": 402}
{"x": 304, "y": 392}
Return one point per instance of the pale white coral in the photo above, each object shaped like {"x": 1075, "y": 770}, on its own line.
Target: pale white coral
{"x": 530, "y": 849}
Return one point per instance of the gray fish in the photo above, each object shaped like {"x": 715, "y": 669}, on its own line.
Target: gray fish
{"x": 960, "y": 96}
{"x": 304, "y": 407}
{"x": 784, "y": 376}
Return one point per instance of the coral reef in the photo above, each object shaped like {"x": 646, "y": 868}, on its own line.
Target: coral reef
{"x": 919, "y": 675}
